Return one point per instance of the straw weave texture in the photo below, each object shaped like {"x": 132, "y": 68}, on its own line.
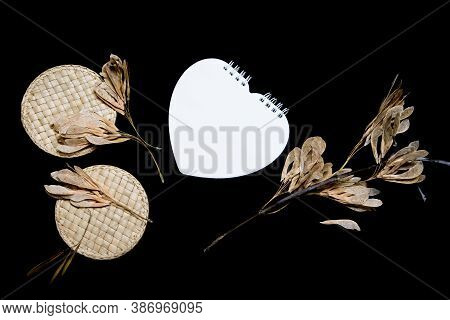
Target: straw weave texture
{"x": 60, "y": 91}
{"x": 112, "y": 231}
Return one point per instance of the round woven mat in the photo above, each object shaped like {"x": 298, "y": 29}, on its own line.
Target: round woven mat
{"x": 111, "y": 231}
{"x": 62, "y": 90}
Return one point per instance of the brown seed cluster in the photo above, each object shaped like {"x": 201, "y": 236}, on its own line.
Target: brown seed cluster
{"x": 304, "y": 167}
{"x": 405, "y": 166}
{"x": 114, "y": 91}
{"x": 85, "y": 130}
{"x": 82, "y": 191}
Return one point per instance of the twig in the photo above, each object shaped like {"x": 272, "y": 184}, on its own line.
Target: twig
{"x": 443, "y": 162}
{"x": 231, "y": 230}
{"x": 147, "y": 146}
{"x": 283, "y": 201}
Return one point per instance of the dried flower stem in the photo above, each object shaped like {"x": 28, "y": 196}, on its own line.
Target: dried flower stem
{"x": 141, "y": 140}
{"x": 147, "y": 146}
{"x": 115, "y": 92}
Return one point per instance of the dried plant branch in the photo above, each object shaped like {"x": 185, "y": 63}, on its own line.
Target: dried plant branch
{"x": 391, "y": 120}
{"x": 84, "y": 130}
{"x": 114, "y": 91}
{"x": 306, "y": 173}
{"x": 83, "y": 192}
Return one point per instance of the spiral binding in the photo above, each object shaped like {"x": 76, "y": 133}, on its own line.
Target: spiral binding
{"x": 238, "y": 76}
{"x": 268, "y": 100}
{"x": 271, "y": 102}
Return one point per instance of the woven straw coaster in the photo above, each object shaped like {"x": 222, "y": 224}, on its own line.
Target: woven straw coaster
{"x": 111, "y": 231}
{"x": 59, "y": 91}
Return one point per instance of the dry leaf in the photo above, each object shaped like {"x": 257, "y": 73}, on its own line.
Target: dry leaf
{"x": 345, "y": 223}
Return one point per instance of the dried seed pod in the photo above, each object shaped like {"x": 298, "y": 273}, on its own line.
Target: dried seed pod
{"x": 85, "y": 130}
{"x": 390, "y": 121}
{"x": 115, "y": 90}
{"x": 292, "y": 165}
{"x": 305, "y": 166}
{"x": 345, "y": 223}
{"x": 353, "y": 193}
{"x": 404, "y": 166}
{"x": 82, "y": 191}
{"x": 110, "y": 98}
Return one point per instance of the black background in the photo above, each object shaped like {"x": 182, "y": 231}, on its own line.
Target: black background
{"x": 290, "y": 49}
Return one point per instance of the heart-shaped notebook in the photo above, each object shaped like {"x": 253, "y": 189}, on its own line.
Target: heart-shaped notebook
{"x": 218, "y": 128}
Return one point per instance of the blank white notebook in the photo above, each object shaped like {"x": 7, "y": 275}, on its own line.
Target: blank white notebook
{"x": 218, "y": 128}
